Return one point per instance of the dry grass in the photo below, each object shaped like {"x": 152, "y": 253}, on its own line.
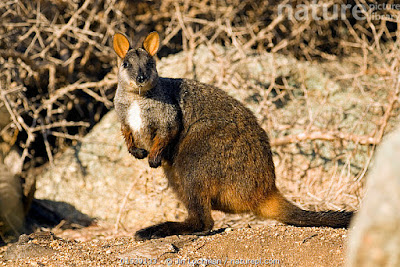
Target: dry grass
{"x": 58, "y": 76}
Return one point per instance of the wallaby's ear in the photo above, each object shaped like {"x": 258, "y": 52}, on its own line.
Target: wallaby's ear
{"x": 121, "y": 44}
{"x": 151, "y": 43}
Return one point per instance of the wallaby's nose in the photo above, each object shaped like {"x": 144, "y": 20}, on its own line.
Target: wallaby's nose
{"x": 141, "y": 77}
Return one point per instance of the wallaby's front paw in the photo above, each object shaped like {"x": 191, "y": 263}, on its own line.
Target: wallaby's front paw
{"x": 138, "y": 153}
{"x": 158, "y": 231}
{"x": 155, "y": 162}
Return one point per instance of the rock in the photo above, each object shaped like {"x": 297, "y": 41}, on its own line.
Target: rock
{"x": 11, "y": 207}
{"x": 154, "y": 249}
{"x": 375, "y": 235}
{"x": 34, "y": 245}
{"x": 13, "y": 202}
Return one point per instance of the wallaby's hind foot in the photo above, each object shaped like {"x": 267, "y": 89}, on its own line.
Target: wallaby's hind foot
{"x": 173, "y": 228}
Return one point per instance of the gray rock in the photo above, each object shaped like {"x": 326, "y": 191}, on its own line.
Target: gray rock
{"x": 375, "y": 235}
{"x": 11, "y": 207}
{"x": 35, "y": 245}
{"x": 156, "y": 248}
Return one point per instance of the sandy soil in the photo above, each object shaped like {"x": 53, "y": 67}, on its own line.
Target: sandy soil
{"x": 277, "y": 245}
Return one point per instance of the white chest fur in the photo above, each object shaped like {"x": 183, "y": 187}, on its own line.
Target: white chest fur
{"x": 134, "y": 117}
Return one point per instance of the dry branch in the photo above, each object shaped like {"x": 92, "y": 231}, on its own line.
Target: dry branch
{"x": 325, "y": 136}
{"x": 342, "y": 136}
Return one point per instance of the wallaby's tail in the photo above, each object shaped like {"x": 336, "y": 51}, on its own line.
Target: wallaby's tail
{"x": 279, "y": 208}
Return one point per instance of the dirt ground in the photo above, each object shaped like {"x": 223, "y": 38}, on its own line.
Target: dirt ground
{"x": 99, "y": 245}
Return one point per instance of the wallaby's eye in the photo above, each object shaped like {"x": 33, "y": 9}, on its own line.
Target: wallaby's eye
{"x": 126, "y": 64}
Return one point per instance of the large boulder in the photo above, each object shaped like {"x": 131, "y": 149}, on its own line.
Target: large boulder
{"x": 375, "y": 235}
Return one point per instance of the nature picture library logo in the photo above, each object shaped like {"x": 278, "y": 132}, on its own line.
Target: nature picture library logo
{"x": 329, "y": 11}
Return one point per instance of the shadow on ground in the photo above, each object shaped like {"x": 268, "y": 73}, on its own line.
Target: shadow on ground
{"x": 48, "y": 214}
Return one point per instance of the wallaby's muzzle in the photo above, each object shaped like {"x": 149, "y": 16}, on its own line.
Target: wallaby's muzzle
{"x": 141, "y": 78}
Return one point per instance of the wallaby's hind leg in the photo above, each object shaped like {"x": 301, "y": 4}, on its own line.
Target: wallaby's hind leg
{"x": 199, "y": 220}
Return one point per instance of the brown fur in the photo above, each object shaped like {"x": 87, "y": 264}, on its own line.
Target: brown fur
{"x": 127, "y": 134}
{"x": 214, "y": 155}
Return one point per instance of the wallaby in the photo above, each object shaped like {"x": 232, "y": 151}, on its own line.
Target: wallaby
{"x": 149, "y": 115}
{"x": 210, "y": 146}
